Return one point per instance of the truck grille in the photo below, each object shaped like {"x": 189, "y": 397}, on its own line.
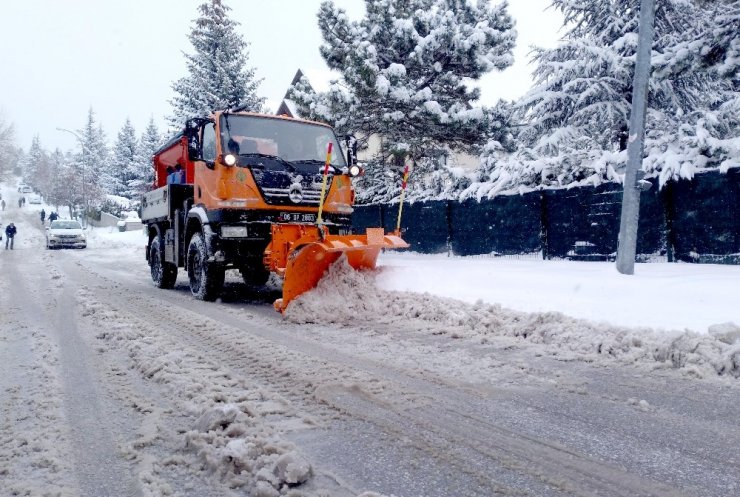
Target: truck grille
{"x": 282, "y": 196}
{"x": 285, "y": 188}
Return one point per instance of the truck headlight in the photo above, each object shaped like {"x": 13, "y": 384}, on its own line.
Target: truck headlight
{"x": 229, "y": 159}
{"x": 355, "y": 170}
{"x": 234, "y": 231}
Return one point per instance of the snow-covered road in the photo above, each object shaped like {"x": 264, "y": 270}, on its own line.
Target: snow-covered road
{"x": 113, "y": 387}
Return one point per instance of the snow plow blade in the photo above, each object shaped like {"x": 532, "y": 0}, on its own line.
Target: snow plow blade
{"x": 308, "y": 257}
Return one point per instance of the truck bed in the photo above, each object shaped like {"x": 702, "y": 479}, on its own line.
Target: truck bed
{"x": 160, "y": 204}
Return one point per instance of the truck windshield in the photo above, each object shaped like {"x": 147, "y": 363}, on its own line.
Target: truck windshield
{"x": 292, "y": 141}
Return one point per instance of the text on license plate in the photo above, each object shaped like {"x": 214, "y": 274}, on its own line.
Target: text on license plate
{"x": 296, "y": 217}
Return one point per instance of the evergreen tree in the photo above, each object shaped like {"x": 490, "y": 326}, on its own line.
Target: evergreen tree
{"x": 218, "y": 74}
{"x": 36, "y": 165}
{"x": 576, "y": 116}
{"x": 123, "y": 160}
{"x": 404, "y": 72}
{"x": 714, "y": 46}
{"x": 142, "y": 175}
{"x": 91, "y": 166}
{"x": 8, "y": 153}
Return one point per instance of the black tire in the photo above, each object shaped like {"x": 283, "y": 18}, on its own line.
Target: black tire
{"x": 254, "y": 275}
{"x": 164, "y": 274}
{"x": 206, "y": 278}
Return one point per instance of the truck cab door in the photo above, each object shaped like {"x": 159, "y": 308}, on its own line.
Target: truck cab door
{"x": 206, "y": 176}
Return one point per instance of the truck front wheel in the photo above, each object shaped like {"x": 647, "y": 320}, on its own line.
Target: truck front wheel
{"x": 206, "y": 278}
{"x": 164, "y": 274}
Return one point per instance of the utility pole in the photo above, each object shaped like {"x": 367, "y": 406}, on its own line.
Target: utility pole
{"x": 627, "y": 242}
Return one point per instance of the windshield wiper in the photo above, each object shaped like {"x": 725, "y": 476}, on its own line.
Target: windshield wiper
{"x": 269, "y": 156}
{"x": 332, "y": 167}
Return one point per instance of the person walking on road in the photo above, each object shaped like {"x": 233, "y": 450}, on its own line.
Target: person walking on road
{"x": 10, "y": 232}
{"x": 53, "y": 217}
{"x": 2, "y": 202}
{"x": 43, "y": 215}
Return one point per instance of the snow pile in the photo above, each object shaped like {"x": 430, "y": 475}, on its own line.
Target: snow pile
{"x": 228, "y": 444}
{"x": 558, "y": 335}
{"x": 114, "y": 241}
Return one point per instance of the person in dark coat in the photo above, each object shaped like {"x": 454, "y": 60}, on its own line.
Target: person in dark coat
{"x": 53, "y": 217}
{"x": 10, "y": 232}
{"x": 43, "y": 216}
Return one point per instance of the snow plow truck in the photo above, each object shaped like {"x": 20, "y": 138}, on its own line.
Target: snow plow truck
{"x": 261, "y": 194}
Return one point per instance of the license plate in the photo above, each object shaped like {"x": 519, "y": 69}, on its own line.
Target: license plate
{"x": 296, "y": 217}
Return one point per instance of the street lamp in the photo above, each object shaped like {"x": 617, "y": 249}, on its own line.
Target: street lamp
{"x": 84, "y": 184}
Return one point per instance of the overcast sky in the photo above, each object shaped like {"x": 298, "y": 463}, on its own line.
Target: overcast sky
{"x": 59, "y": 58}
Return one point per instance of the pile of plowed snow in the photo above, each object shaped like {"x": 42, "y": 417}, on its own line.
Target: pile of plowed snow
{"x": 347, "y": 297}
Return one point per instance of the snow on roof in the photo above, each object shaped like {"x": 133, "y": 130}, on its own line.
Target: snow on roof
{"x": 292, "y": 107}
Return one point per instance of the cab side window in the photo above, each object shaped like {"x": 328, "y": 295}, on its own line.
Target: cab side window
{"x": 209, "y": 142}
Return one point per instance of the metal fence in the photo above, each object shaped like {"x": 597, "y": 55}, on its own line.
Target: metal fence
{"x": 691, "y": 221}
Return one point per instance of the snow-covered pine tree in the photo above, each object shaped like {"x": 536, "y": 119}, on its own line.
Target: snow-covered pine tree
{"x": 406, "y": 69}
{"x": 713, "y": 133}
{"x": 36, "y": 165}
{"x": 91, "y": 166}
{"x": 576, "y": 116}
{"x": 123, "y": 160}
{"x": 218, "y": 74}
{"x": 714, "y": 46}
{"x": 7, "y": 147}
{"x": 142, "y": 174}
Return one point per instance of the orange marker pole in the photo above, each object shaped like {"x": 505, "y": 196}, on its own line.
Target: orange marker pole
{"x": 403, "y": 193}
{"x": 323, "y": 182}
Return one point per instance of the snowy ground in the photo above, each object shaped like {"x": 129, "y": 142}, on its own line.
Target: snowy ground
{"x": 367, "y": 384}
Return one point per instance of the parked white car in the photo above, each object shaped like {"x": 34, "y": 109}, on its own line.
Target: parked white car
{"x": 65, "y": 233}
{"x": 34, "y": 198}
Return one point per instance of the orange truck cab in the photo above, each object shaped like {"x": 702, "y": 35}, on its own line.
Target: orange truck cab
{"x": 250, "y": 200}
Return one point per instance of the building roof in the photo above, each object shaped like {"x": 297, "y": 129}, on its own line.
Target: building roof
{"x": 288, "y": 107}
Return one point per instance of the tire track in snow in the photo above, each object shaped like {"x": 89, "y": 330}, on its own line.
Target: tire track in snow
{"x": 98, "y": 466}
{"x": 161, "y": 351}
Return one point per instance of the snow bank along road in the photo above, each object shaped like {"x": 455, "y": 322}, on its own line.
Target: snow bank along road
{"x": 111, "y": 387}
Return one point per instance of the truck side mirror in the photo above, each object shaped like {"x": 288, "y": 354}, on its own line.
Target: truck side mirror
{"x": 191, "y": 132}
{"x": 193, "y": 148}
{"x": 351, "y": 142}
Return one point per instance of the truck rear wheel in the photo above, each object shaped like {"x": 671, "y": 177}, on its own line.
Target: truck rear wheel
{"x": 164, "y": 274}
{"x": 206, "y": 278}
